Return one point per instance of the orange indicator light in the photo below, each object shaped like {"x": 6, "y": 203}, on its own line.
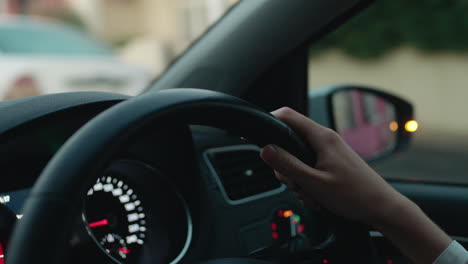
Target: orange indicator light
{"x": 287, "y": 213}
{"x": 393, "y": 126}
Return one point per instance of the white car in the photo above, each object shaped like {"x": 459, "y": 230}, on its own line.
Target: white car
{"x": 39, "y": 56}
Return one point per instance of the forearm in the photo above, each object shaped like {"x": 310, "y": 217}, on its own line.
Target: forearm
{"x": 409, "y": 229}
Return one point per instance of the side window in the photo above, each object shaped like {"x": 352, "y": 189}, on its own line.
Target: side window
{"x": 417, "y": 50}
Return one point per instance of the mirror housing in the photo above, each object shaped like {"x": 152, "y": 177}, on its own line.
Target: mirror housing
{"x": 373, "y": 123}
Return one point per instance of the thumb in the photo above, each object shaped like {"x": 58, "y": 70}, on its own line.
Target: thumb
{"x": 288, "y": 165}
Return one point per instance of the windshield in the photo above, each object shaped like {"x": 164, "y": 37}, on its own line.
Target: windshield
{"x": 95, "y": 45}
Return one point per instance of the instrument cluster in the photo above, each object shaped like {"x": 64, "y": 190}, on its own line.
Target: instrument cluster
{"x": 131, "y": 214}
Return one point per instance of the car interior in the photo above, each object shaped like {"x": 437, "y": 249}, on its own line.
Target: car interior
{"x": 173, "y": 175}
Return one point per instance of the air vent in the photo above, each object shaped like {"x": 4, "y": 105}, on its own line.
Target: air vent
{"x": 241, "y": 173}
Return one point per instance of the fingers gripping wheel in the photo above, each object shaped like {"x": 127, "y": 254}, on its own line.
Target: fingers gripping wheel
{"x": 58, "y": 193}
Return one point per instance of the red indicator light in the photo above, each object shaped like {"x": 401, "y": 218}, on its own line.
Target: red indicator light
{"x": 325, "y": 261}
{"x": 275, "y": 235}
{"x": 300, "y": 228}
{"x": 103, "y": 222}
{"x": 124, "y": 250}
{"x": 389, "y": 261}
{"x": 280, "y": 213}
{"x": 274, "y": 226}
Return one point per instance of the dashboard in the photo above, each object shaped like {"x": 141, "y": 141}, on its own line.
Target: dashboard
{"x": 175, "y": 194}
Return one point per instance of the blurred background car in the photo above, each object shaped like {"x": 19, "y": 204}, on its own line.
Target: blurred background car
{"x": 39, "y": 56}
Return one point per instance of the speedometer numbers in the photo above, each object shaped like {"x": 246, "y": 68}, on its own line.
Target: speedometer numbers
{"x": 114, "y": 244}
{"x": 116, "y": 218}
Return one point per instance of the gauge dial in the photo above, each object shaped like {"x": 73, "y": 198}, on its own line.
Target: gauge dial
{"x": 116, "y": 218}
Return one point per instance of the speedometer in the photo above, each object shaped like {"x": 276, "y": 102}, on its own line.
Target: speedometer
{"x": 116, "y": 218}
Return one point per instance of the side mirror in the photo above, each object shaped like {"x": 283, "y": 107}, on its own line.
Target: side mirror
{"x": 373, "y": 123}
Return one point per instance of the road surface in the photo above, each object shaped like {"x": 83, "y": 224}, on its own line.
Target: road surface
{"x": 428, "y": 162}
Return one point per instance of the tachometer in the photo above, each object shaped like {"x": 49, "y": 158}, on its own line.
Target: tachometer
{"x": 116, "y": 218}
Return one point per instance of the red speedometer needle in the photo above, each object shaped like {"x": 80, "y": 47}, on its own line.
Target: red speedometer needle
{"x": 124, "y": 250}
{"x": 102, "y": 222}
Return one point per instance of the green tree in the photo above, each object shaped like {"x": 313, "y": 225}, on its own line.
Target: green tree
{"x": 427, "y": 25}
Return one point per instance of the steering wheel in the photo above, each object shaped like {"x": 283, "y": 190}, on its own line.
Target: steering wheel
{"x": 57, "y": 196}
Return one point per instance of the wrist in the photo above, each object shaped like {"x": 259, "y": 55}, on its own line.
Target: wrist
{"x": 410, "y": 230}
{"x": 393, "y": 211}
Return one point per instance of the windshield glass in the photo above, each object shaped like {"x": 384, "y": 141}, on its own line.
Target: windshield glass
{"x": 95, "y": 45}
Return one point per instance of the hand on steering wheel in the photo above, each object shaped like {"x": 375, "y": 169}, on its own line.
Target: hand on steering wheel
{"x": 340, "y": 181}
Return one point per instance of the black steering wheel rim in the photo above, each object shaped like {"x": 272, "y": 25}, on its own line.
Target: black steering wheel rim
{"x": 42, "y": 234}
